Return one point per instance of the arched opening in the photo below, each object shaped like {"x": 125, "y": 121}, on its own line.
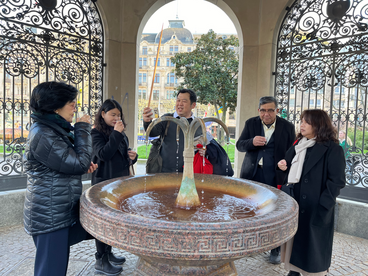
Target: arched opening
{"x": 321, "y": 62}
{"x": 174, "y": 41}
{"x": 47, "y": 41}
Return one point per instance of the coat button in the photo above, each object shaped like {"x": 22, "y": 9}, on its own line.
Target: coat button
{"x": 302, "y": 211}
{"x": 306, "y": 180}
{"x": 304, "y": 196}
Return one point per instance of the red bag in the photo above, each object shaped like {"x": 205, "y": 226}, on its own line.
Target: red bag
{"x": 199, "y": 167}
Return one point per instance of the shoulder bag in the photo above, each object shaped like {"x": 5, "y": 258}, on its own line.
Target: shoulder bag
{"x": 154, "y": 161}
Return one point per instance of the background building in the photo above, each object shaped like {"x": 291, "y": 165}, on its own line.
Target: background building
{"x": 175, "y": 39}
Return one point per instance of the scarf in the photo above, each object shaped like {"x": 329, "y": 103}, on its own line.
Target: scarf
{"x": 298, "y": 160}
{"x": 60, "y": 121}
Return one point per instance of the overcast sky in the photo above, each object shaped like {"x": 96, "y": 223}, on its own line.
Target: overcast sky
{"x": 199, "y": 16}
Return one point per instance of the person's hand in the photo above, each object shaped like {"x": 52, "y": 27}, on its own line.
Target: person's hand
{"x": 202, "y": 152}
{"x": 132, "y": 154}
{"x": 85, "y": 118}
{"x": 147, "y": 113}
{"x": 259, "y": 141}
{"x": 119, "y": 126}
{"x": 92, "y": 167}
{"x": 282, "y": 165}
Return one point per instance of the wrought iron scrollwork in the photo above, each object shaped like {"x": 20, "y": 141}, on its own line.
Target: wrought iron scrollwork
{"x": 40, "y": 41}
{"x": 322, "y": 62}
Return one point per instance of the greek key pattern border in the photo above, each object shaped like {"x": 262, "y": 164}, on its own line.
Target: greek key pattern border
{"x": 186, "y": 243}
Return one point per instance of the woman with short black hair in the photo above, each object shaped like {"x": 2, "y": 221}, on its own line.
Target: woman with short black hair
{"x": 57, "y": 154}
{"x": 316, "y": 173}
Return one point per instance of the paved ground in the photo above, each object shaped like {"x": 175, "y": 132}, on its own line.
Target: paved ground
{"x": 350, "y": 256}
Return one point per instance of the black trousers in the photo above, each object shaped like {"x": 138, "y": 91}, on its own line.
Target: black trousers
{"x": 52, "y": 249}
{"x": 259, "y": 175}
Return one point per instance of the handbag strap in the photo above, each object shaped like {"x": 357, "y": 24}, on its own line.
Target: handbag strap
{"x": 162, "y": 137}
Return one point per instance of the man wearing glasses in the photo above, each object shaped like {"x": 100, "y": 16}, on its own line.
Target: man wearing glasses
{"x": 265, "y": 139}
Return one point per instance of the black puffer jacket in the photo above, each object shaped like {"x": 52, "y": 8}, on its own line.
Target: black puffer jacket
{"x": 54, "y": 167}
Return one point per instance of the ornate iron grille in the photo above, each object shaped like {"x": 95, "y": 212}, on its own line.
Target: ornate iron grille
{"x": 45, "y": 40}
{"x": 322, "y": 62}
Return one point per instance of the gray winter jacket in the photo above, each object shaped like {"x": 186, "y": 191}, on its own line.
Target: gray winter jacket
{"x": 54, "y": 167}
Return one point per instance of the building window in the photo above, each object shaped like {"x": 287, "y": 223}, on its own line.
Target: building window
{"x": 339, "y": 89}
{"x": 144, "y": 61}
{"x": 170, "y": 94}
{"x": 142, "y": 78}
{"x": 311, "y": 102}
{"x": 318, "y": 102}
{"x": 189, "y": 49}
{"x": 157, "y": 78}
{"x": 171, "y": 48}
{"x": 171, "y": 78}
{"x": 336, "y": 104}
{"x": 156, "y": 95}
{"x": 144, "y": 50}
{"x": 176, "y": 49}
{"x": 140, "y": 62}
{"x": 154, "y": 61}
{"x": 169, "y": 63}
{"x": 142, "y": 94}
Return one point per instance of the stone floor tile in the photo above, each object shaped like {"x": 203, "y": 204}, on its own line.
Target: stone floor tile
{"x": 350, "y": 257}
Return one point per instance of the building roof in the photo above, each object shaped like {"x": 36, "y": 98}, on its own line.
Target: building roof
{"x": 176, "y": 30}
{"x": 182, "y": 34}
{"x": 150, "y": 38}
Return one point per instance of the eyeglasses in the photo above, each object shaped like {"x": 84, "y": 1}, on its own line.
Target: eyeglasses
{"x": 269, "y": 111}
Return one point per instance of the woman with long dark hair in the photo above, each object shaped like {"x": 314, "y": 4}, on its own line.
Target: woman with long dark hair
{"x": 316, "y": 172}
{"x": 113, "y": 156}
{"x": 57, "y": 154}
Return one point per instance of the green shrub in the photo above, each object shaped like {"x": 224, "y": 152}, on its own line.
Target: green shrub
{"x": 142, "y": 151}
{"x": 359, "y": 142}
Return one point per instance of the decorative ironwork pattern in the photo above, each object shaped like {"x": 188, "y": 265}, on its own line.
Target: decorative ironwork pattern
{"x": 45, "y": 40}
{"x": 322, "y": 62}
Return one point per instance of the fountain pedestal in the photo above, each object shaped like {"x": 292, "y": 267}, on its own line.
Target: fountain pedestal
{"x": 149, "y": 267}
{"x": 188, "y": 247}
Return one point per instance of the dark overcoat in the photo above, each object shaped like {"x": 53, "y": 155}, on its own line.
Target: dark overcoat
{"x": 284, "y": 136}
{"x": 110, "y": 153}
{"x": 322, "y": 178}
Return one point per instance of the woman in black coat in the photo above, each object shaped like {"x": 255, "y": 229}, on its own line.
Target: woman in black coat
{"x": 113, "y": 156}
{"x": 56, "y": 156}
{"x": 316, "y": 171}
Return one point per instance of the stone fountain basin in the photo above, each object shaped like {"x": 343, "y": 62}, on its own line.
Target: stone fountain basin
{"x": 184, "y": 243}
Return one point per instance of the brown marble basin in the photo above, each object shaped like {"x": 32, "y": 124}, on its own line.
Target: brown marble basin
{"x": 184, "y": 247}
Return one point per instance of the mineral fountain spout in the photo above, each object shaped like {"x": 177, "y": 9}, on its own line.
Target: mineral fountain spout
{"x": 188, "y": 196}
